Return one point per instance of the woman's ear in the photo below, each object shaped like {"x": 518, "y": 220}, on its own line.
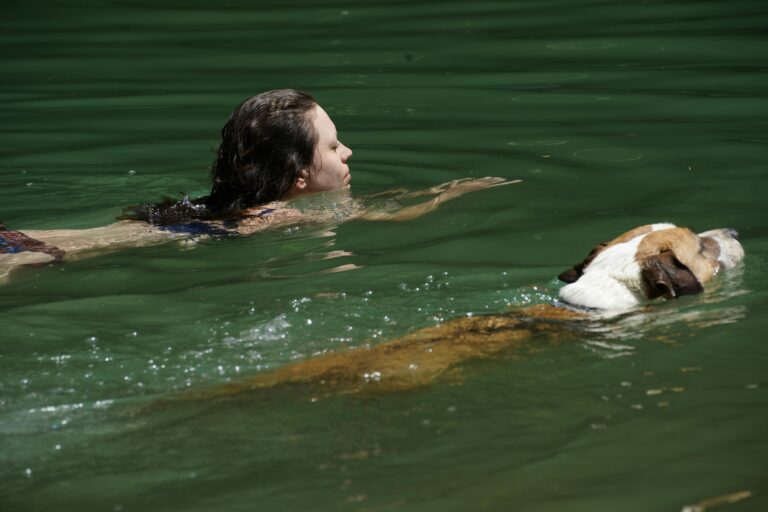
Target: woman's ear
{"x": 300, "y": 185}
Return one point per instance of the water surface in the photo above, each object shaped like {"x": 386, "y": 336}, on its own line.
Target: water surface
{"x": 613, "y": 114}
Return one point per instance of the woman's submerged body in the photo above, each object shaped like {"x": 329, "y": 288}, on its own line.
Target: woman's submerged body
{"x": 276, "y": 148}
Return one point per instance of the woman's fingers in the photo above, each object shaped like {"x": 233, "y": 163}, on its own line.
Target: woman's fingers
{"x": 488, "y": 181}
{"x": 506, "y": 182}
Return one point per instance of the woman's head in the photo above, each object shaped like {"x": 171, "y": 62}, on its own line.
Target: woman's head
{"x": 265, "y": 143}
{"x": 274, "y": 145}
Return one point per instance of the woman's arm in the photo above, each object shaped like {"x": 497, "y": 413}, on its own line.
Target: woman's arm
{"x": 442, "y": 193}
{"x": 282, "y": 214}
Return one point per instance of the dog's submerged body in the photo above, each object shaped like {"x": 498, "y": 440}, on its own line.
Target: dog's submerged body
{"x": 645, "y": 263}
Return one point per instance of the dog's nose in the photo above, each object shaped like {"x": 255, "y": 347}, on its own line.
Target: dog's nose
{"x": 734, "y": 234}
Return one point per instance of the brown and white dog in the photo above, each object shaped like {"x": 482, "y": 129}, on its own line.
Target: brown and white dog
{"x": 658, "y": 260}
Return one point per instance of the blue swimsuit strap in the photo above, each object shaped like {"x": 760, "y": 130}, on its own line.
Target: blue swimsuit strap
{"x": 264, "y": 212}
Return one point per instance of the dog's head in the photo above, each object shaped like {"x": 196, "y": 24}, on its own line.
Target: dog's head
{"x": 657, "y": 260}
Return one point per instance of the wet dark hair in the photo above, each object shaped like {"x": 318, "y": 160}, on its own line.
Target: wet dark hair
{"x": 265, "y": 143}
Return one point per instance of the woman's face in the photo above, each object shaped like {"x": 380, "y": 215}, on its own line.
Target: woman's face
{"x": 329, "y": 167}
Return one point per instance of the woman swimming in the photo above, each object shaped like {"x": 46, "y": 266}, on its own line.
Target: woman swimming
{"x": 275, "y": 147}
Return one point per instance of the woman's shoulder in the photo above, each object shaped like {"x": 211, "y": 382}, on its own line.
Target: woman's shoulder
{"x": 269, "y": 215}
{"x": 313, "y": 209}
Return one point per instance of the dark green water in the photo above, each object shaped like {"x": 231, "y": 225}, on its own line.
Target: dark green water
{"x": 613, "y": 113}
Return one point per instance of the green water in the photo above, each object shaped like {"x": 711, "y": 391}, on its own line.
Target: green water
{"x": 614, "y": 114}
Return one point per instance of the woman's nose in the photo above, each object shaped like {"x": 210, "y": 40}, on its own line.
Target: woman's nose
{"x": 346, "y": 153}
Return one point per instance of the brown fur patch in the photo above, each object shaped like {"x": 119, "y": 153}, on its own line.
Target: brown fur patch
{"x": 686, "y": 247}
{"x": 632, "y": 233}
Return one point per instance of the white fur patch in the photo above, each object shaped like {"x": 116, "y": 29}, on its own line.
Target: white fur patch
{"x": 612, "y": 280}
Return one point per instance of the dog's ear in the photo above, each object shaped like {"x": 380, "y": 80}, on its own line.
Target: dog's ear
{"x": 570, "y": 276}
{"x": 573, "y": 274}
{"x": 665, "y": 276}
